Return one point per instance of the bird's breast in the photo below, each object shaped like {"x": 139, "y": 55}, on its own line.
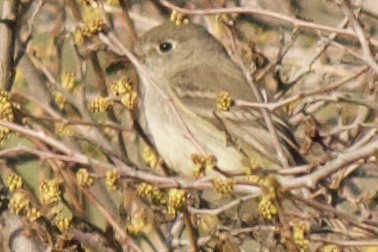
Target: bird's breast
{"x": 170, "y": 132}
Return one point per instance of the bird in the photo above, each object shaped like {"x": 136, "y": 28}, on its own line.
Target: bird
{"x": 189, "y": 68}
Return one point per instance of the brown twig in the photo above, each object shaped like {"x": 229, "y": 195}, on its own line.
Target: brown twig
{"x": 80, "y": 122}
{"x": 309, "y": 180}
{"x": 361, "y": 155}
{"x": 124, "y": 237}
{"x": 347, "y": 243}
{"x": 365, "y": 43}
{"x": 8, "y": 28}
{"x": 223, "y": 208}
{"x": 363, "y": 223}
{"x": 326, "y": 43}
{"x": 191, "y": 231}
{"x": 126, "y": 18}
{"x": 298, "y": 23}
{"x": 126, "y": 170}
{"x": 275, "y": 105}
{"x": 265, "y": 113}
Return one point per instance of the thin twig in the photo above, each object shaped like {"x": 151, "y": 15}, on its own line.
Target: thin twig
{"x": 8, "y": 30}
{"x": 125, "y": 170}
{"x": 365, "y": 43}
{"x": 298, "y": 23}
{"x": 275, "y": 105}
{"x": 265, "y": 113}
{"x": 347, "y": 243}
{"x": 109, "y": 218}
{"x": 310, "y": 180}
{"x": 363, "y": 223}
{"x": 223, "y": 208}
{"x": 191, "y": 231}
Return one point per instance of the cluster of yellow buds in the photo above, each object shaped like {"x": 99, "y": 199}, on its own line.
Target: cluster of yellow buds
{"x": 60, "y": 99}
{"x": 150, "y": 157}
{"x": 179, "y": 18}
{"x": 121, "y": 86}
{"x": 255, "y": 179}
{"x": 137, "y": 223}
{"x": 267, "y": 208}
{"x": 126, "y": 90}
{"x": 19, "y": 203}
{"x": 14, "y": 181}
{"x": 176, "y": 201}
{"x": 6, "y": 112}
{"x": 267, "y": 205}
{"x": 92, "y": 28}
{"x": 63, "y": 224}
{"x": 83, "y": 178}
{"x": 100, "y": 104}
{"x": 300, "y": 228}
{"x": 223, "y": 187}
{"x": 32, "y": 214}
{"x": 202, "y": 163}
{"x": 112, "y": 179}
{"x": 224, "y": 101}
{"x": 93, "y": 24}
{"x": 49, "y": 191}
{"x": 152, "y": 193}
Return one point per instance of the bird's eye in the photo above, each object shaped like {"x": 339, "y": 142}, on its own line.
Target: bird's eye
{"x": 165, "y": 47}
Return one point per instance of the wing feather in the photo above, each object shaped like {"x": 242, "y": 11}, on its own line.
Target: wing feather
{"x": 244, "y": 125}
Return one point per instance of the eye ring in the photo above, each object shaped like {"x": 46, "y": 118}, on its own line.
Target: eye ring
{"x": 165, "y": 47}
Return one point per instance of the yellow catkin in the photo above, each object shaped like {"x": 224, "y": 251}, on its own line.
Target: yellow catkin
{"x": 224, "y": 101}
{"x": 83, "y": 178}
{"x": 112, "y": 179}
{"x": 49, "y": 191}
{"x": 176, "y": 201}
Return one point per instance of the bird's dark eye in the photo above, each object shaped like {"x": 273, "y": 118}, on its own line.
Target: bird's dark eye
{"x": 165, "y": 47}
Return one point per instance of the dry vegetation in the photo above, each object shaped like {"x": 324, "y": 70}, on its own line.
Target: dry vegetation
{"x": 79, "y": 172}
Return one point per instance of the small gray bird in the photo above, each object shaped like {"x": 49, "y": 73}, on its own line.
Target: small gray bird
{"x": 191, "y": 67}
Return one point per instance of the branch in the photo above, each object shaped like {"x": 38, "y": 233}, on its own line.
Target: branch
{"x": 275, "y": 105}
{"x": 334, "y": 165}
{"x": 126, "y": 170}
{"x": 8, "y": 29}
{"x": 366, "y": 53}
{"x": 297, "y": 23}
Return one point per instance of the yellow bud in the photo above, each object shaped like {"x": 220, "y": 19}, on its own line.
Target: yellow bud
{"x": 150, "y": 157}
{"x": 224, "y": 101}
{"x": 83, "y": 178}
{"x": 63, "y": 224}
{"x": 176, "y": 201}
{"x": 112, "y": 178}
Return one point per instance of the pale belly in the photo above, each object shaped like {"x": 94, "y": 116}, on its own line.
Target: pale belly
{"x": 176, "y": 149}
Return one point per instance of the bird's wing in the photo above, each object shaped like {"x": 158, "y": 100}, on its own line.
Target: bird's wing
{"x": 245, "y": 126}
